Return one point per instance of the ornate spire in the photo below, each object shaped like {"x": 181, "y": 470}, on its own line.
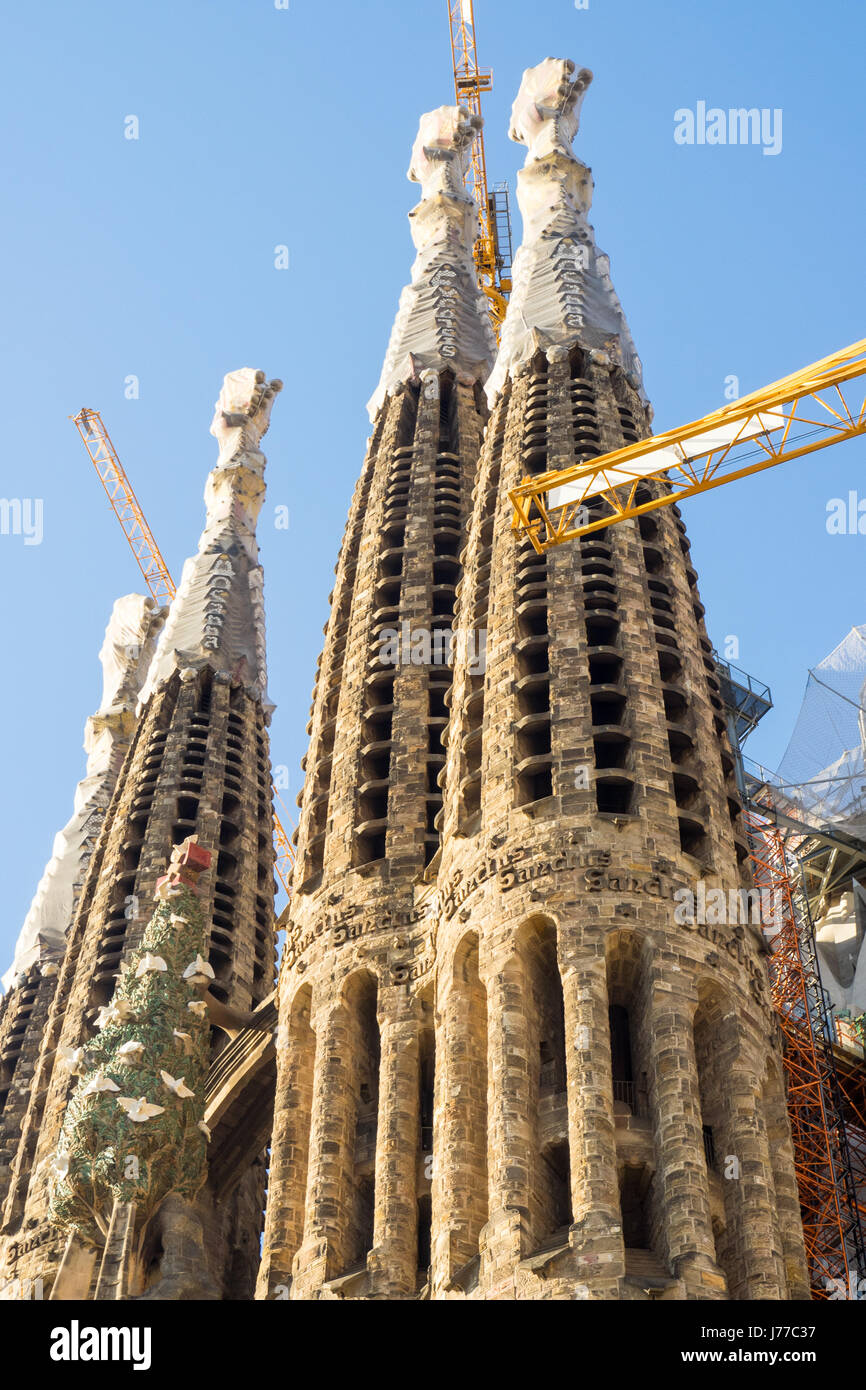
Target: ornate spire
{"x": 127, "y": 651}
{"x": 562, "y": 292}
{"x": 442, "y": 320}
{"x": 217, "y": 617}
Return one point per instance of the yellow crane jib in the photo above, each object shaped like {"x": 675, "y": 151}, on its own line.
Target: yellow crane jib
{"x": 811, "y": 409}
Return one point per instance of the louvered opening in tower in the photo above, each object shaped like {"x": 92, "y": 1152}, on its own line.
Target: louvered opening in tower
{"x": 535, "y": 438}
{"x": 613, "y": 781}
{"x": 472, "y": 729}
{"x": 384, "y": 655}
{"x": 688, "y": 793}
{"x": 318, "y": 762}
{"x": 533, "y": 750}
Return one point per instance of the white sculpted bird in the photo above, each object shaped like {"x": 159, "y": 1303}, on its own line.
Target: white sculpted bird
{"x": 99, "y": 1082}
{"x": 118, "y": 1011}
{"x": 185, "y": 1039}
{"x": 59, "y": 1166}
{"x": 204, "y": 1129}
{"x": 197, "y": 1007}
{"x": 199, "y": 971}
{"x": 131, "y": 1051}
{"x": 70, "y": 1057}
{"x": 176, "y": 1084}
{"x": 139, "y": 1109}
{"x": 148, "y": 963}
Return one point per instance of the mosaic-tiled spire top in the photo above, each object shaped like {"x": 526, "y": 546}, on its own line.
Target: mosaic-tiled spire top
{"x": 217, "y": 617}
{"x": 442, "y": 320}
{"x": 562, "y": 292}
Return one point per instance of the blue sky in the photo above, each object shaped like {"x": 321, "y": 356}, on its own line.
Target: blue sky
{"x": 262, "y": 127}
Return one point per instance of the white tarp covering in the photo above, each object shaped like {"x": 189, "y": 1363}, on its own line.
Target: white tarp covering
{"x": 442, "y": 319}
{"x": 562, "y": 291}
{"x": 217, "y": 618}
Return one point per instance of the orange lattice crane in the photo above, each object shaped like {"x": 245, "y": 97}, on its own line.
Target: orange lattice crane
{"x": 142, "y": 542}
{"x": 825, "y": 1133}
{"x": 492, "y": 250}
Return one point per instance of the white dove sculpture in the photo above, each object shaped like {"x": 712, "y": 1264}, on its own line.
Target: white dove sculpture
{"x": 197, "y": 1007}
{"x": 99, "y": 1082}
{"x": 148, "y": 963}
{"x": 131, "y": 1051}
{"x": 176, "y": 1084}
{"x": 118, "y": 1011}
{"x": 199, "y": 971}
{"x": 60, "y": 1166}
{"x": 185, "y": 1039}
{"x": 70, "y": 1057}
{"x": 204, "y": 1129}
{"x": 139, "y": 1109}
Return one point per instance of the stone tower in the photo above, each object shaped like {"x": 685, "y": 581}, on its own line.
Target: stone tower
{"x": 514, "y": 1062}
{"x": 349, "y": 1189}
{"x": 610, "y": 1118}
{"x": 31, "y": 980}
{"x": 198, "y": 764}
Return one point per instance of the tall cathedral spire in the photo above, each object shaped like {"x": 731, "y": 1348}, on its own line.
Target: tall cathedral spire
{"x": 197, "y": 767}
{"x": 359, "y": 924}
{"x": 562, "y": 287}
{"x": 442, "y": 321}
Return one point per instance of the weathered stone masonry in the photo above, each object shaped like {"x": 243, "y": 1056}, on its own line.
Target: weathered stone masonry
{"x": 517, "y": 1076}
{"x": 198, "y": 764}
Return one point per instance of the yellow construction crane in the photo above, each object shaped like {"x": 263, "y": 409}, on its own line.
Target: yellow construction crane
{"x": 492, "y": 250}
{"x": 142, "y": 542}
{"x": 809, "y": 410}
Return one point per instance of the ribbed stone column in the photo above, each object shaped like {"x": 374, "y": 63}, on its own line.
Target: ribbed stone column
{"x": 509, "y": 1126}
{"x": 393, "y": 1261}
{"x": 753, "y": 1236}
{"x": 681, "y": 1174}
{"x": 785, "y": 1184}
{"x": 460, "y": 1128}
{"x": 597, "y": 1232}
{"x": 327, "y": 1213}
{"x": 290, "y": 1141}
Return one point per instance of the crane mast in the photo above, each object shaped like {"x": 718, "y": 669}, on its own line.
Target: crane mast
{"x": 492, "y": 249}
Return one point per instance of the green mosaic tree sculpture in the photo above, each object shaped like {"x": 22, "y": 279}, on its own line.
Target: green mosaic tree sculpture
{"x": 134, "y": 1129}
